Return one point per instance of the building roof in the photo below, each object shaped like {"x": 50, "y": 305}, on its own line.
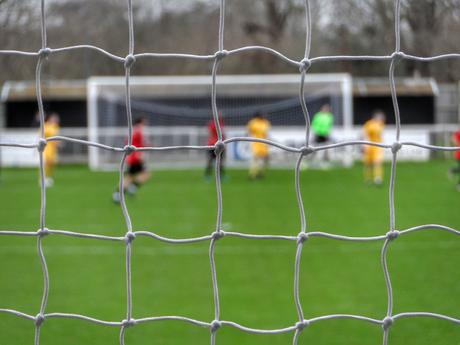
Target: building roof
{"x": 51, "y": 90}
{"x": 75, "y": 90}
{"x": 376, "y": 87}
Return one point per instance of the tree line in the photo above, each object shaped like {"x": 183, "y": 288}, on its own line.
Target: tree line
{"x": 351, "y": 27}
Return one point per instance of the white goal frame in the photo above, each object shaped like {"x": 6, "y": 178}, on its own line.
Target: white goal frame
{"x": 230, "y": 85}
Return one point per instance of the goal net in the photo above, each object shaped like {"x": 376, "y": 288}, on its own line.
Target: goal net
{"x": 179, "y": 109}
{"x": 298, "y": 237}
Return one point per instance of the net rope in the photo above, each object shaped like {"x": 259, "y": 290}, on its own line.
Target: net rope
{"x": 214, "y": 325}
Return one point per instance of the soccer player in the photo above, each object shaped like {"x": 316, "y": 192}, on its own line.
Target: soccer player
{"x": 258, "y": 127}
{"x": 50, "y": 154}
{"x": 136, "y": 174}
{"x": 212, "y": 139}
{"x": 456, "y": 170}
{"x": 373, "y": 155}
{"x": 321, "y": 126}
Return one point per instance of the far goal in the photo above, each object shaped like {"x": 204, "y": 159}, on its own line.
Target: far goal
{"x": 178, "y": 110}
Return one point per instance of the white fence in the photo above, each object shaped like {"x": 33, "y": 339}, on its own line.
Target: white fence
{"x": 237, "y": 155}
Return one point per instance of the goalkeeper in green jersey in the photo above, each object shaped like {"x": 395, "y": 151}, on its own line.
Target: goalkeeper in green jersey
{"x": 322, "y": 124}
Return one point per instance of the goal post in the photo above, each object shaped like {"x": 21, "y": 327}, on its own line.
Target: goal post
{"x": 179, "y": 107}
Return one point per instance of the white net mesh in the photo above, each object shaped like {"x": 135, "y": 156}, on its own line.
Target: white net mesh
{"x": 386, "y": 321}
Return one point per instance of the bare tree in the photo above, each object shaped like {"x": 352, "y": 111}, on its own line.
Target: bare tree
{"x": 19, "y": 23}
{"x": 428, "y": 22}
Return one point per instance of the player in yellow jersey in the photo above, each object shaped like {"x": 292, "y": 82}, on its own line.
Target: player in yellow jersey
{"x": 373, "y": 155}
{"x": 50, "y": 154}
{"x": 258, "y": 127}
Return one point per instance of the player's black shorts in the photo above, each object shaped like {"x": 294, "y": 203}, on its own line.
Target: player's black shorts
{"x": 134, "y": 169}
{"x": 321, "y": 139}
{"x": 212, "y": 155}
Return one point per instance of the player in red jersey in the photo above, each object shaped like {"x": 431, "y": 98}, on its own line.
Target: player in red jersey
{"x": 456, "y": 170}
{"x": 136, "y": 174}
{"x": 212, "y": 139}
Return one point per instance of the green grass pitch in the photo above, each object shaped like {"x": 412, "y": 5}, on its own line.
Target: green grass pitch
{"x": 255, "y": 277}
